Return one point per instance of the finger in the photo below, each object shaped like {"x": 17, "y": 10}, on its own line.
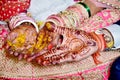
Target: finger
{"x": 39, "y": 61}
{"x": 45, "y": 63}
{"x": 25, "y": 56}
{"x": 16, "y": 54}
{"x": 6, "y": 46}
{"x": 20, "y": 57}
{"x": 30, "y": 58}
{"x": 11, "y": 52}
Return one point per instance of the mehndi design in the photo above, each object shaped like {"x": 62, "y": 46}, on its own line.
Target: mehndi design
{"x": 55, "y": 43}
{"x": 68, "y": 45}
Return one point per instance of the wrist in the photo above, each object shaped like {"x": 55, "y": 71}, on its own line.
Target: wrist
{"x": 21, "y": 19}
{"x": 93, "y": 8}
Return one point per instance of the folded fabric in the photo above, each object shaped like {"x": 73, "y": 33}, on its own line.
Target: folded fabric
{"x": 41, "y": 9}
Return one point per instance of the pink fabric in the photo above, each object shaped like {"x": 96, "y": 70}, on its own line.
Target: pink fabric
{"x": 111, "y": 3}
{"x": 99, "y": 4}
{"x": 3, "y": 34}
{"x": 105, "y": 3}
{"x": 101, "y": 20}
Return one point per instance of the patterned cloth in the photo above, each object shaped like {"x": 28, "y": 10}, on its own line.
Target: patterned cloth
{"x": 41, "y": 9}
{"x": 11, "y": 68}
{"x": 3, "y": 33}
{"x": 9, "y": 8}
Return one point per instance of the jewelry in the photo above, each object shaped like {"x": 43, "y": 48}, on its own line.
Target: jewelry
{"x": 114, "y": 30}
{"x": 79, "y": 0}
{"x": 71, "y": 17}
{"x": 108, "y": 38}
{"x": 22, "y": 18}
{"x": 82, "y": 0}
{"x": 112, "y": 3}
{"x": 86, "y": 7}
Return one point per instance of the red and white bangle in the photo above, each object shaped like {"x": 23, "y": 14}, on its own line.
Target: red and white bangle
{"x": 71, "y": 17}
{"x": 58, "y": 18}
{"x": 77, "y": 13}
{"x": 67, "y": 17}
{"x": 52, "y": 22}
{"x": 66, "y": 21}
{"x": 21, "y": 18}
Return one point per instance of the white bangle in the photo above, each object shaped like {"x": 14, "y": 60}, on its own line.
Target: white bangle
{"x": 22, "y": 18}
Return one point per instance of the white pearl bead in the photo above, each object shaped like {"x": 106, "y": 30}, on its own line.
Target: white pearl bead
{"x": 108, "y": 3}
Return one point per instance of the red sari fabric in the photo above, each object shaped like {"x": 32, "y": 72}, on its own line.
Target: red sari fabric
{"x": 9, "y": 8}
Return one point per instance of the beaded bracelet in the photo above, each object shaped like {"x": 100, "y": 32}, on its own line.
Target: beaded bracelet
{"x": 86, "y": 7}
{"x": 108, "y": 38}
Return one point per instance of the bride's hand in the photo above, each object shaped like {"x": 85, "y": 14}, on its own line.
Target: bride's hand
{"x": 21, "y": 41}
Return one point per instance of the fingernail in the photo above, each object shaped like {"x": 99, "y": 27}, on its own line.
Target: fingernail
{"x": 16, "y": 54}
{"x": 11, "y": 52}
{"x": 29, "y": 59}
{"x": 20, "y": 57}
{"x": 25, "y": 56}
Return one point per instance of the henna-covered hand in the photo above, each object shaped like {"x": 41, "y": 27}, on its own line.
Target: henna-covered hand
{"x": 68, "y": 45}
{"x": 21, "y": 41}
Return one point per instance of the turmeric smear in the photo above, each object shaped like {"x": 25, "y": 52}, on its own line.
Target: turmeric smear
{"x": 30, "y": 50}
{"x": 39, "y": 42}
{"x": 19, "y": 41}
{"x": 42, "y": 41}
{"x": 9, "y": 43}
{"x": 110, "y": 44}
{"x": 48, "y": 25}
{"x": 40, "y": 23}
